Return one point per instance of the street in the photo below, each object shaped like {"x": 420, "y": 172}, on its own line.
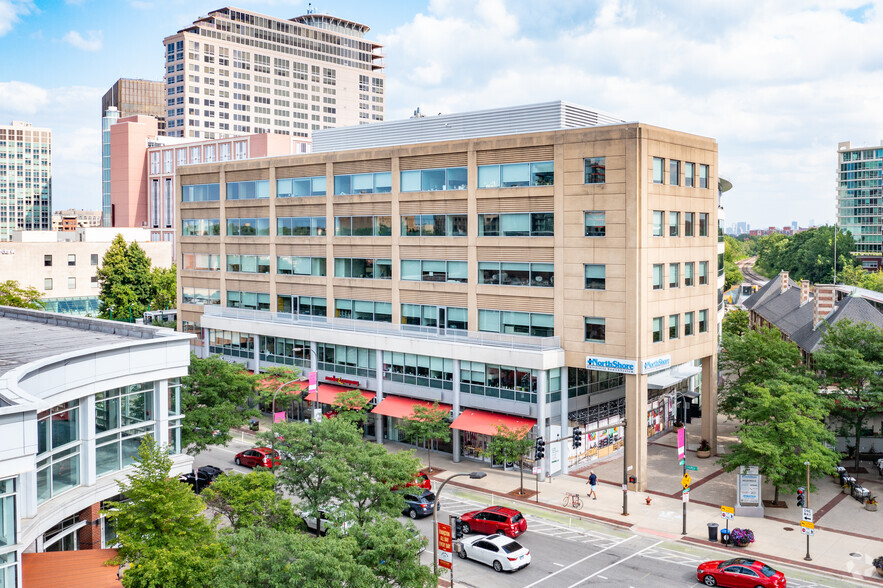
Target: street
{"x": 566, "y": 553}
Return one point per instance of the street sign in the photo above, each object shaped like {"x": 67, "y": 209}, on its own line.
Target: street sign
{"x": 536, "y": 470}
{"x": 728, "y": 512}
{"x": 681, "y": 462}
{"x": 686, "y": 496}
{"x": 685, "y": 481}
{"x": 807, "y": 514}
{"x": 625, "y": 487}
{"x": 807, "y": 525}
{"x": 807, "y": 531}
{"x": 444, "y": 546}
{"x": 692, "y": 468}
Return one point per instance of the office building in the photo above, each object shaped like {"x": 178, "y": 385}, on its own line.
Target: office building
{"x": 544, "y": 265}
{"x": 235, "y": 72}
{"x": 76, "y": 399}
{"x": 63, "y": 265}
{"x": 860, "y": 200}
{"x": 72, "y": 219}
{"x": 25, "y": 178}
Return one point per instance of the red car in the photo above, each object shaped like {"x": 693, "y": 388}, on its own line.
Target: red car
{"x": 420, "y": 480}
{"x": 739, "y": 572}
{"x": 258, "y": 456}
{"x": 495, "y": 519}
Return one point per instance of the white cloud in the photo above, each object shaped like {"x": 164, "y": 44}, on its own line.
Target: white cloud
{"x": 777, "y": 85}
{"x": 93, "y": 43}
{"x": 11, "y": 12}
{"x": 20, "y": 98}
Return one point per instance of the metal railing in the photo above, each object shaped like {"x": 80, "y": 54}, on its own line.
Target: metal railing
{"x": 527, "y": 342}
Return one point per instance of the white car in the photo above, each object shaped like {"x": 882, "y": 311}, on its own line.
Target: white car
{"x": 329, "y": 517}
{"x": 496, "y": 550}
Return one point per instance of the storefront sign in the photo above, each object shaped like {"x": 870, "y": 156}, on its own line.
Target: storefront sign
{"x": 554, "y": 450}
{"x": 342, "y": 381}
{"x": 649, "y": 366}
{"x": 749, "y": 486}
{"x": 444, "y": 546}
{"x": 608, "y": 364}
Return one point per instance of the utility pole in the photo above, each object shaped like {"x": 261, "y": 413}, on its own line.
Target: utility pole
{"x": 625, "y": 471}
{"x": 806, "y": 463}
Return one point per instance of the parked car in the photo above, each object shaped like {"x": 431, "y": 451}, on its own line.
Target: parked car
{"x": 739, "y": 572}
{"x": 328, "y": 518}
{"x": 495, "y": 519}
{"x": 203, "y": 478}
{"x": 257, "y": 456}
{"x": 418, "y": 505}
{"x": 420, "y": 480}
{"x": 499, "y": 551}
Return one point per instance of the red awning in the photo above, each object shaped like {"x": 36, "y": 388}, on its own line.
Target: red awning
{"x": 486, "y": 423}
{"x": 70, "y": 568}
{"x": 402, "y": 408}
{"x": 328, "y": 394}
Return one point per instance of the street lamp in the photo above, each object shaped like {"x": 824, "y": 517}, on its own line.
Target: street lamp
{"x": 473, "y": 476}
{"x": 277, "y": 392}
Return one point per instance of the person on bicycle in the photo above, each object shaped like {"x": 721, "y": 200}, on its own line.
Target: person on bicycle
{"x": 592, "y": 482}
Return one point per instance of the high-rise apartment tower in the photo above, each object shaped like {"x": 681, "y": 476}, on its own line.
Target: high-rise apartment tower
{"x": 860, "y": 200}
{"x": 25, "y": 178}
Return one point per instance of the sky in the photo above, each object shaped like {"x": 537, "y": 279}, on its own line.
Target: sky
{"x": 778, "y": 83}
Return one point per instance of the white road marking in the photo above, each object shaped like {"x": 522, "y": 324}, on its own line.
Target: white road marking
{"x": 558, "y": 564}
{"x": 628, "y": 557}
{"x": 581, "y": 560}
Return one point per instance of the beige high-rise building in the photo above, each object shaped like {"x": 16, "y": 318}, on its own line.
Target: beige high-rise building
{"x": 235, "y": 72}
{"x": 545, "y": 266}
{"x": 25, "y": 178}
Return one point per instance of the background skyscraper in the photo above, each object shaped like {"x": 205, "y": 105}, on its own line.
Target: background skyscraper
{"x": 860, "y": 200}
{"x": 25, "y": 178}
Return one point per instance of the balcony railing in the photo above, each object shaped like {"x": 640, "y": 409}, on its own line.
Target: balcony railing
{"x": 525, "y": 342}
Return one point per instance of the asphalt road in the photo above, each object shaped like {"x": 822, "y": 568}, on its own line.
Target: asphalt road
{"x": 564, "y": 556}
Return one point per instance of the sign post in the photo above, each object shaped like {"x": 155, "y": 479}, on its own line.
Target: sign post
{"x": 803, "y": 529}
{"x": 445, "y": 546}
{"x": 685, "y": 481}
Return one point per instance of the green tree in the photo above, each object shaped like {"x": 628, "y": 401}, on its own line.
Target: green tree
{"x": 782, "y": 427}
{"x": 214, "y": 397}
{"x": 350, "y": 405}
{"x": 427, "y": 423}
{"x": 163, "y": 288}
{"x": 250, "y": 500}
{"x": 851, "y": 364}
{"x": 735, "y": 322}
{"x": 126, "y": 281}
{"x": 14, "y": 294}
{"x": 374, "y": 471}
{"x": 510, "y": 446}
{"x": 160, "y": 526}
{"x": 270, "y": 380}
{"x": 808, "y": 255}
{"x": 732, "y": 275}
{"x": 391, "y": 551}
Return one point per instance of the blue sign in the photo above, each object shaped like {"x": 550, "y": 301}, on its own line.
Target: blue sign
{"x": 649, "y": 366}
{"x": 608, "y": 364}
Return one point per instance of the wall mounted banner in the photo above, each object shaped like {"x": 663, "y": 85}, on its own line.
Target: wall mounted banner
{"x": 609, "y": 364}
{"x": 655, "y": 364}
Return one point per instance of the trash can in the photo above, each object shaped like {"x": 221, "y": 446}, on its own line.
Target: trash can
{"x": 712, "y": 532}
{"x": 253, "y": 425}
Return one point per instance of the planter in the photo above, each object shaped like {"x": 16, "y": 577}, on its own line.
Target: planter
{"x": 703, "y": 454}
{"x": 847, "y": 490}
{"x": 872, "y": 508}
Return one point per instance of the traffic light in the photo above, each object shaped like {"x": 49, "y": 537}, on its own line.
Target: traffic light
{"x": 458, "y": 528}
{"x": 540, "y": 449}
{"x": 577, "y": 438}
{"x": 801, "y": 497}
{"x": 633, "y": 480}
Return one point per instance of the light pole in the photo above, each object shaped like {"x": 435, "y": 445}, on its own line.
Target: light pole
{"x": 472, "y": 475}
{"x": 277, "y": 392}
{"x": 806, "y": 463}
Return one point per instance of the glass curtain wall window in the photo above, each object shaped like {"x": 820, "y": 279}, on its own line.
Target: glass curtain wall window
{"x": 300, "y": 226}
{"x": 284, "y": 351}
{"x": 516, "y": 274}
{"x": 516, "y": 323}
{"x": 430, "y": 180}
{"x": 512, "y": 175}
{"x": 595, "y": 170}
{"x": 346, "y": 360}
{"x": 362, "y": 226}
{"x": 7, "y": 519}
{"x": 175, "y": 415}
{"x": 248, "y": 190}
{"x": 300, "y": 266}
{"x": 123, "y": 417}
{"x": 363, "y": 310}
{"x": 58, "y": 450}
{"x": 595, "y": 329}
{"x": 523, "y": 224}
{"x": 507, "y": 382}
{"x": 372, "y": 183}
{"x": 658, "y": 222}
{"x": 596, "y": 223}
{"x": 434, "y": 225}
{"x": 300, "y": 187}
{"x": 418, "y": 370}
{"x": 428, "y": 270}
{"x": 377, "y": 269}
{"x": 302, "y": 305}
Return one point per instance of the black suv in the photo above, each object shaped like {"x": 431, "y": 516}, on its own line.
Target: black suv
{"x": 418, "y": 505}
{"x": 203, "y": 478}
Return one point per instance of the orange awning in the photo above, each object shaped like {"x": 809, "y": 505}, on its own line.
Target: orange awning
{"x": 69, "y": 568}
{"x": 486, "y": 423}
{"x": 328, "y": 394}
{"x": 402, "y": 408}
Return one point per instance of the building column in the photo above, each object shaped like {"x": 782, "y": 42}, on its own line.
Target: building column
{"x": 256, "y": 356}
{"x": 541, "y": 422}
{"x": 87, "y": 434}
{"x": 161, "y": 416}
{"x": 635, "y": 453}
{"x": 565, "y": 420}
{"x": 378, "y": 418}
{"x": 205, "y": 347}
{"x": 455, "y": 412}
{"x": 709, "y": 401}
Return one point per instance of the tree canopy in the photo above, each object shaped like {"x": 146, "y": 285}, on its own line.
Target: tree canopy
{"x": 427, "y": 424}
{"x": 735, "y": 322}
{"x": 14, "y": 294}
{"x": 808, "y": 255}
{"x": 128, "y": 284}
{"x": 250, "y": 500}
{"x": 510, "y": 446}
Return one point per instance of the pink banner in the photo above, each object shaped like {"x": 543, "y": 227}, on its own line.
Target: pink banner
{"x": 314, "y": 381}
{"x": 279, "y": 417}
{"x": 682, "y": 443}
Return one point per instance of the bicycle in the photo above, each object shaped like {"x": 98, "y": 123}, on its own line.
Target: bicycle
{"x": 573, "y": 500}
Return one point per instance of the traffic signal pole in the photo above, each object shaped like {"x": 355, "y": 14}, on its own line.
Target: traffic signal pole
{"x": 454, "y": 526}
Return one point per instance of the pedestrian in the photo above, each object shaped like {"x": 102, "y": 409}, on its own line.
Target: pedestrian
{"x": 593, "y": 481}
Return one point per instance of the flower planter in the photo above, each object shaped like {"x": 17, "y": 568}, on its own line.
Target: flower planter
{"x": 871, "y": 507}
{"x": 847, "y": 490}
{"x": 703, "y": 454}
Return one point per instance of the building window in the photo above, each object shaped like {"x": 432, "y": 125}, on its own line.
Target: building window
{"x": 658, "y": 170}
{"x": 595, "y": 169}
{"x": 376, "y": 269}
{"x": 304, "y": 305}
{"x": 446, "y": 317}
{"x": 428, "y": 270}
{"x": 522, "y": 224}
{"x": 516, "y": 323}
{"x": 200, "y": 296}
{"x": 595, "y": 329}
{"x": 250, "y": 264}
{"x": 7, "y": 526}
{"x": 71, "y": 283}
{"x": 58, "y": 450}
{"x": 673, "y": 326}
{"x": 300, "y": 187}
{"x": 248, "y": 227}
{"x": 248, "y": 190}
{"x": 688, "y": 324}
{"x": 94, "y": 281}
{"x": 688, "y": 224}
{"x": 674, "y": 278}
{"x": 363, "y": 310}
{"x": 201, "y": 261}
{"x": 688, "y": 273}
{"x": 429, "y": 180}
{"x": 362, "y": 226}
{"x": 596, "y": 223}
{"x": 123, "y": 417}
{"x": 658, "y": 222}
{"x": 516, "y": 274}
{"x": 300, "y": 266}
{"x": 248, "y": 300}
{"x": 658, "y": 276}
{"x": 47, "y": 283}
{"x": 511, "y": 175}
{"x": 703, "y": 273}
{"x": 689, "y": 174}
{"x": 71, "y": 259}
{"x": 703, "y": 224}
{"x": 596, "y": 276}
{"x": 674, "y": 172}
{"x": 300, "y": 226}
{"x": 703, "y": 321}
{"x": 674, "y": 221}
{"x": 703, "y": 175}
{"x": 93, "y": 259}
{"x": 657, "y": 329}
{"x": 505, "y": 382}
{"x": 47, "y": 261}
{"x": 201, "y": 193}
{"x": 434, "y": 225}
{"x": 343, "y": 359}
{"x": 418, "y": 370}
{"x": 377, "y": 183}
